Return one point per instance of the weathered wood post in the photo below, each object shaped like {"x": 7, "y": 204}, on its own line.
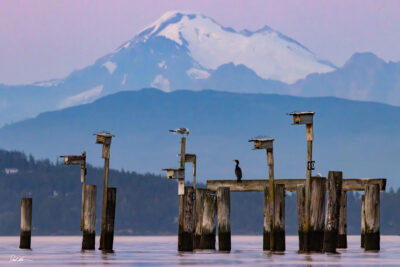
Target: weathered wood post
{"x": 79, "y": 160}
{"x": 224, "y": 219}
{"x": 179, "y": 174}
{"x": 362, "y": 220}
{"x": 104, "y": 139}
{"x": 198, "y": 216}
{"x": 301, "y": 216}
{"x": 185, "y": 234}
{"x": 279, "y": 223}
{"x": 332, "y": 210}
{"x": 110, "y": 218}
{"x": 267, "y": 223}
{"x": 342, "y": 234}
{"x": 372, "y": 220}
{"x": 269, "y": 218}
{"x": 89, "y": 214}
{"x": 207, "y": 239}
{"x": 307, "y": 119}
{"x": 316, "y": 230}
{"x": 26, "y": 223}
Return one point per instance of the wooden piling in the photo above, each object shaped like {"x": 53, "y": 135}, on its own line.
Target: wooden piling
{"x": 342, "y": 233}
{"x": 83, "y": 176}
{"x": 106, "y": 156}
{"x": 89, "y": 214}
{"x": 108, "y": 235}
{"x": 207, "y": 239}
{"x": 198, "y": 216}
{"x": 301, "y": 216}
{"x": 183, "y": 152}
{"x": 26, "y": 223}
{"x": 372, "y": 214}
{"x": 224, "y": 219}
{"x": 185, "y": 230}
{"x": 271, "y": 186}
{"x": 362, "y": 220}
{"x": 267, "y": 222}
{"x": 315, "y": 237}
{"x": 279, "y": 219}
{"x": 308, "y": 193}
{"x": 332, "y": 217}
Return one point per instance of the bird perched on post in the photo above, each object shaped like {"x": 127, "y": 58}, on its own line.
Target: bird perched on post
{"x": 181, "y": 131}
{"x": 238, "y": 171}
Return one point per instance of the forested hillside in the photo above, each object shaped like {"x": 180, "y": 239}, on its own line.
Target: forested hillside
{"x": 146, "y": 203}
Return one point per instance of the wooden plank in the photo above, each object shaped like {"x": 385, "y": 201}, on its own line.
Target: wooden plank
{"x": 351, "y": 184}
{"x": 358, "y": 184}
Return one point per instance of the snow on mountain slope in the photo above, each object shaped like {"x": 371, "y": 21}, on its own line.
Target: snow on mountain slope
{"x": 269, "y": 53}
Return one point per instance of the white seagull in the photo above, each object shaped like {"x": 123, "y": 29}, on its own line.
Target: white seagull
{"x": 181, "y": 131}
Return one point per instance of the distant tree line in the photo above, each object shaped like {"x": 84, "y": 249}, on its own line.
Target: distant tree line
{"x": 147, "y": 204}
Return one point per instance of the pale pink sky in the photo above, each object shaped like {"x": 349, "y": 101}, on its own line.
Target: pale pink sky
{"x": 46, "y": 39}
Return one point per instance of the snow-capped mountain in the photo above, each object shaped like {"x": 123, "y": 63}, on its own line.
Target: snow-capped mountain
{"x": 189, "y": 51}
{"x": 267, "y": 52}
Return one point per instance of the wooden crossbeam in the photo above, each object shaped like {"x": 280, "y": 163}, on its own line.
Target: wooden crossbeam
{"x": 351, "y": 184}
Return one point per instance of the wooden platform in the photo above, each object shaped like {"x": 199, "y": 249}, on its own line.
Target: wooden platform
{"x": 351, "y": 184}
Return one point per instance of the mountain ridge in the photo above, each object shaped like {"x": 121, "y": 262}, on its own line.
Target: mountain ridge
{"x": 203, "y": 61}
{"x": 347, "y": 133}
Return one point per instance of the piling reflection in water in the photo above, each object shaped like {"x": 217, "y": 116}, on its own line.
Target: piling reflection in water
{"x": 161, "y": 251}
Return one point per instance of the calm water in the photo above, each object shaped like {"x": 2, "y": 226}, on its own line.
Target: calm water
{"x": 161, "y": 251}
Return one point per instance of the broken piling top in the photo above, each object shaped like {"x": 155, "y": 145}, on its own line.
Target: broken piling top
{"x": 104, "y": 138}
{"x": 175, "y": 173}
{"x": 74, "y": 159}
{"x": 262, "y": 142}
{"x": 303, "y": 117}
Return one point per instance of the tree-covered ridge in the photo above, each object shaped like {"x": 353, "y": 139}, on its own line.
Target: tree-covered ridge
{"x": 147, "y": 204}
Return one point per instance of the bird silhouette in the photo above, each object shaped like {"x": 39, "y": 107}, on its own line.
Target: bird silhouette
{"x": 181, "y": 131}
{"x": 238, "y": 171}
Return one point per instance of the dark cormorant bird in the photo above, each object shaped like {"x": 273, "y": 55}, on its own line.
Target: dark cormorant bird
{"x": 238, "y": 171}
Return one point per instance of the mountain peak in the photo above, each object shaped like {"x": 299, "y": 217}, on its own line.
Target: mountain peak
{"x": 363, "y": 59}
{"x": 269, "y": 53}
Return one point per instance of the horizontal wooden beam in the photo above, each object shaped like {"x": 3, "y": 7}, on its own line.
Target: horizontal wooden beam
{"x": 352, "y": 184}
{"x": 358, "y": 184}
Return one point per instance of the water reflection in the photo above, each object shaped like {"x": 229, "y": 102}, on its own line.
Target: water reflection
{"x": 161, "y": 251}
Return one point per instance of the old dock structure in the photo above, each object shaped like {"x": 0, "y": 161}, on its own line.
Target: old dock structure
{"x": 321, "y": 203}
{"x": 318, "y": 216}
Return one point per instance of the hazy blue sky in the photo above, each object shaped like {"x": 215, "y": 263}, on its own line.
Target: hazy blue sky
{"x": 49, "y": 39}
